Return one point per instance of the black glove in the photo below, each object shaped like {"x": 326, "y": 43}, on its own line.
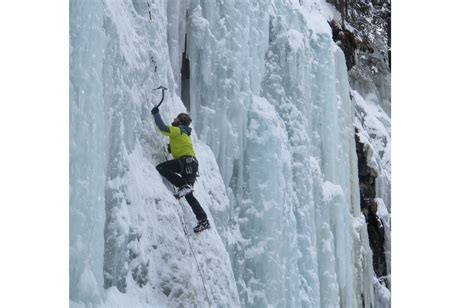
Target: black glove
{"x": 155, "y": 110}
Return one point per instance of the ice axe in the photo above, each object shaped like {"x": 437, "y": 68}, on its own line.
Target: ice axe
{"x": 163, "y": 89}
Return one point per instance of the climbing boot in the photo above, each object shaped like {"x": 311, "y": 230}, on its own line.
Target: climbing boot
{"x": 202, "y": 225}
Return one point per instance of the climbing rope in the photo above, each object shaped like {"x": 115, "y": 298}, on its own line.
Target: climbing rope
{"x": 165, "y": 152}
{"x": 186, "y": 234}
{"x": 181, "y": 219}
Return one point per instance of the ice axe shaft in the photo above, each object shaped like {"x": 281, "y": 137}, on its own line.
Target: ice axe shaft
{"x": 163, "y": 89}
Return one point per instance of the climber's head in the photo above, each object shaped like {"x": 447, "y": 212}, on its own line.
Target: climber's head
{"x": 182, "y": 119}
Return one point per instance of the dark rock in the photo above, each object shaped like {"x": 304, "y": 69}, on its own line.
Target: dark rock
{"x": 346, "y": 40}
{"x": 368, "y": 204}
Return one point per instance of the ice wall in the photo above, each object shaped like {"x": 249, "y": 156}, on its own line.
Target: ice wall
{"x": 274, "y": 135}
{"x": 138, "y": 248}
{"x": 255, "y": 67}
{"x": 373, "y": 126}
{"x": 88, "y": 137}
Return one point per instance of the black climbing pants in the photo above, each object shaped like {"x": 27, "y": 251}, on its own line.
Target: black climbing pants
{"x": 171, "y": 170}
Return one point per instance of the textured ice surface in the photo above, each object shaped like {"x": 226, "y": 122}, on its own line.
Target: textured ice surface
{"x": 88, "y": 138}
{"x": 373, "y": 126}
{"x": 274, "y": 135}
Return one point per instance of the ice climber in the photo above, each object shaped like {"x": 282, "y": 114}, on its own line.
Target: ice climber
{"x": 182, "y": 170}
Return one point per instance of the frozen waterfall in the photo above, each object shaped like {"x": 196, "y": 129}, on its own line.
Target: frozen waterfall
{"x": 274, "y": 127}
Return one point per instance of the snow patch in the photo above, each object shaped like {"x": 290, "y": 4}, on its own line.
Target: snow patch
{"x": 331, "y": 191}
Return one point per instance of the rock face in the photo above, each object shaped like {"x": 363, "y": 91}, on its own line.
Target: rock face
{"x": 369, "y": 206}
{"x": 363, "y": 31}
{"x": 347, "y": 40}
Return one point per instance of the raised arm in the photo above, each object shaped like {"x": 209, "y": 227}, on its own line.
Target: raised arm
{"x": 159, "y": 121}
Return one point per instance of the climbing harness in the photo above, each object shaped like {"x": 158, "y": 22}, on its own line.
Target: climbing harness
{"x": 189, "y": 167}
{"x": 187, "y": 235}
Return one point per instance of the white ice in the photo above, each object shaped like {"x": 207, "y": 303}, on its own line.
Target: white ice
{"x": 274, "y": 135}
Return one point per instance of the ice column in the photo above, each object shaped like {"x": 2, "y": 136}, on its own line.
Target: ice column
{"x": 87, "y": 152}
{"x": 227, "y": 43}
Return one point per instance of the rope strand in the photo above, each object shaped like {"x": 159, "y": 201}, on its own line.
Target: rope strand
{"x": 181, "y": 219}
{"x": 194, "y": 255}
